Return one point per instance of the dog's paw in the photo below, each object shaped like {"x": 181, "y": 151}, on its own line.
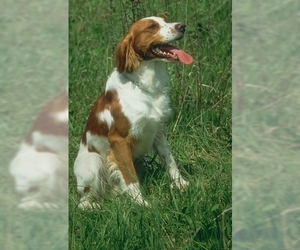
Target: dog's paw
{"x": 36, "y": 205}
{"x": 134, "y": 192}
{"x": 180, "y": 183}
{"x": 138, "y": 199}
{"x": 87, "y": 205}
{"x": 142, "y": 202}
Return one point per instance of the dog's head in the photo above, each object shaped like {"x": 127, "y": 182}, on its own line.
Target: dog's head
{"x": 148, "y": 39}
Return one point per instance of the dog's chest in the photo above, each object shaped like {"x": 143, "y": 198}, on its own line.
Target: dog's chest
{"x": 146, "y": 114}
{"x": 145, "y": 111}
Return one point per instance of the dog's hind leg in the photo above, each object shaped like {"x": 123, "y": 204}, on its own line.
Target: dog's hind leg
{"x": 86, "y": 168}
{"x": 120, "y": 158}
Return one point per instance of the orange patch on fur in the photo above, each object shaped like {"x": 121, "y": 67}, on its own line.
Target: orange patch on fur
{"x": 135, "y": 46}
{"x": 118, "y": 135}
{"x": 46, "y": 123}
{"x": 94, "y": 126}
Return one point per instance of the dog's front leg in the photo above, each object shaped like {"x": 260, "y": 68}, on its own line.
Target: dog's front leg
{"x": 162, "y": 148}
{"x": 121, "y": 157}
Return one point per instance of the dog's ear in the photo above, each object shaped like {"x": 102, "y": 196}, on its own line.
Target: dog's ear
{"x": 125, "y": 57}
{"x": 164, "y": 15}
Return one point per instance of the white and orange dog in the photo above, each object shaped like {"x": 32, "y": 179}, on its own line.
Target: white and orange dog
{"x": 40, "y": 167}
{"x": 128, "y": 119}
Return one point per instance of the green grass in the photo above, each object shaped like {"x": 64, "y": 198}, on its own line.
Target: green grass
{"x": 34, "y": 69}
{"x": 199, "y": 132}
{"x": 266, "y": 131}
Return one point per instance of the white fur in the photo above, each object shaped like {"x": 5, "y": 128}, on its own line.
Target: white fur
{"x": 58, "y": 144}
{"x": 134, "y": 191}
{"x": 62, "y": 116}
{"x": 40, "y": 178}
{"x": 167, "y": 30}
{"x": 106, "y": 117}
{"x": 99, "y": 142}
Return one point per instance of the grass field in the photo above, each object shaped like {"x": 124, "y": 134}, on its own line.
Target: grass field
{"x": 266, "y": 211}
{"x": 199, "y": 132}
{"x": 266, "y": 131}
{"x": 33, "y": 69}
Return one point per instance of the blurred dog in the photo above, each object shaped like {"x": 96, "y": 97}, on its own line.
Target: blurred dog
{"x": 40, "y": 167}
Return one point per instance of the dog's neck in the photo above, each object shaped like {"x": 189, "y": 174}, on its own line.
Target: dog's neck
{"x": 150, "y": 75}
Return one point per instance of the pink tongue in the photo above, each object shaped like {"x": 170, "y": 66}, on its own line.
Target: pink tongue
{"x": 183, "y": 56}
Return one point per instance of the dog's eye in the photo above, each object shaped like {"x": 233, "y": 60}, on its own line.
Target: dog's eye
{"x": 152, "y": 26}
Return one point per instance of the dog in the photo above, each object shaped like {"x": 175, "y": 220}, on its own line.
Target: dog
{"x": 40, "y": 167}
{"x": 128, "y": 119}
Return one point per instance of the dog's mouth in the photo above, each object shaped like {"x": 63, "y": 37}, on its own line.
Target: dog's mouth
{"x": 171, "y": 53}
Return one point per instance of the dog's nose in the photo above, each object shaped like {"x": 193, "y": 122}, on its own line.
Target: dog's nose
{"x": 180, "y": 27}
